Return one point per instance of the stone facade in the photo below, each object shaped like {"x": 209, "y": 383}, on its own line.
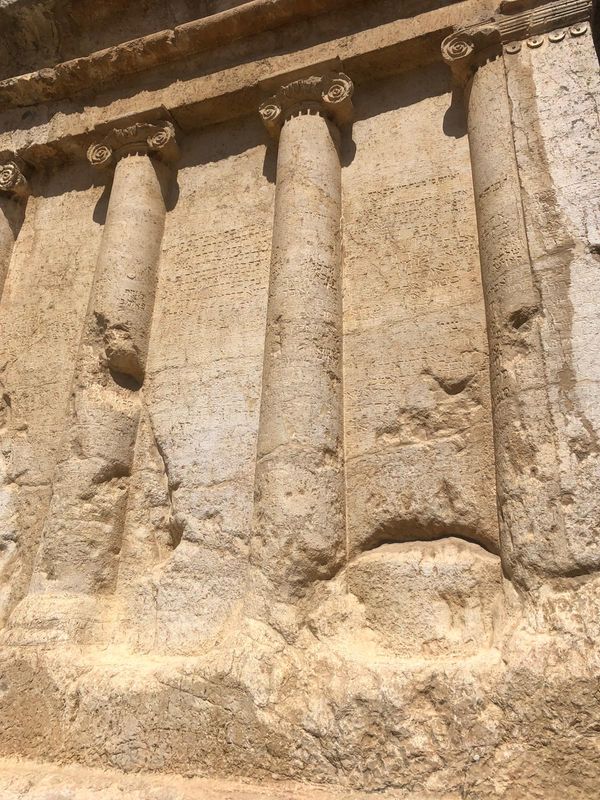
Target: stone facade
{"x": 299, "y": 432}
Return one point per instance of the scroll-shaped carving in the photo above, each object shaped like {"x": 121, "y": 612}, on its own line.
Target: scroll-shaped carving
{"x": 100, "y": 155}
{"x": 12, "y": 179}
{"x": 329, "y": 95}
{"x": 141, "y": 138}
{"x": 468, "y": 47}
{"x": 463, "y": 49}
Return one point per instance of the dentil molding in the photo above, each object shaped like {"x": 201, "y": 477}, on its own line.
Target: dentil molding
{"x": 518, "y": 20}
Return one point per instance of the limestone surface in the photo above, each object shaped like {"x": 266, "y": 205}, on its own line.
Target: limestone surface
{"x": 299, "y": 420}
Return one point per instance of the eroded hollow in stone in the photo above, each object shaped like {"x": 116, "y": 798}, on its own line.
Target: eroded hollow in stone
{"x": 125, "y": 381}
{"x": 123, "y": 358}
{"x": 398, "y": 531}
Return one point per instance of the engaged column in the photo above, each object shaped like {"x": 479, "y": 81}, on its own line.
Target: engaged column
{"x": 14, "y": 190}
{"x": 299, "y": 534}
{"x": 83, "y": 533}
{"x": 532, "y": 526}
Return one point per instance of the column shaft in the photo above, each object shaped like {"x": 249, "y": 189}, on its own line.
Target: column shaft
{"x": 10, "y": 214}
{"x": 299, "y": 520}
{"x": 82, "y": 536}
{"x": 127, "y": 263}
{"x": 531, "y": 523}
{"x": 13, "y": 191}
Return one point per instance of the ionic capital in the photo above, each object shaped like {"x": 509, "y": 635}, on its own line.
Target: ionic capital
{"x": 12, "y": 179}
{"x": 142, "y": 138}
{"x": 466, "y": 48}
{"x": 329, "y": 95}
{"x": 518, "y": 20}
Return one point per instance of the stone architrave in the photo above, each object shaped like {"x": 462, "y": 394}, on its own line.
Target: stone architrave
{"x": 299, "y": 534}
{"x": 532, "y": 523}
{"x": 14, "y": 189}
{"x": 79, "y": 554}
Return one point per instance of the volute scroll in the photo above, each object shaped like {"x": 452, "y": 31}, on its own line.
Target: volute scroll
{"x": 470, "y": 46}
{"x": 12, "y": 178}
{"x": 329, "y": 95}
{"x": 142, "y": 138}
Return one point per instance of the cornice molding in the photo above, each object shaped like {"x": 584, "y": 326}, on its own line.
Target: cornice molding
{"x": 47, "y": 137}
{"x": 469, "y": 46}
{"x": 329, "y": 94}
{"x": 12, "y": 179}
{"x": 141, "y": 138}
{"x": 108, "y": 67}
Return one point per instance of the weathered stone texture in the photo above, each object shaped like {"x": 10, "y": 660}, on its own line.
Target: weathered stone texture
{"x": 43, "y": 305}
{"x": 299, "y": 353}
{"x": 553, "y": 96}
{"x": 416, "y": 375}
{"x": 207, "y": 346}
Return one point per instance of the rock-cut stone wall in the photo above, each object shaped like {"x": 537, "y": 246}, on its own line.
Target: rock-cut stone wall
{"x": 299, "y": 429}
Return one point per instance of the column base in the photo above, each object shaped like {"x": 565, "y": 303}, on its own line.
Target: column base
{"x": 54, "y": 619}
